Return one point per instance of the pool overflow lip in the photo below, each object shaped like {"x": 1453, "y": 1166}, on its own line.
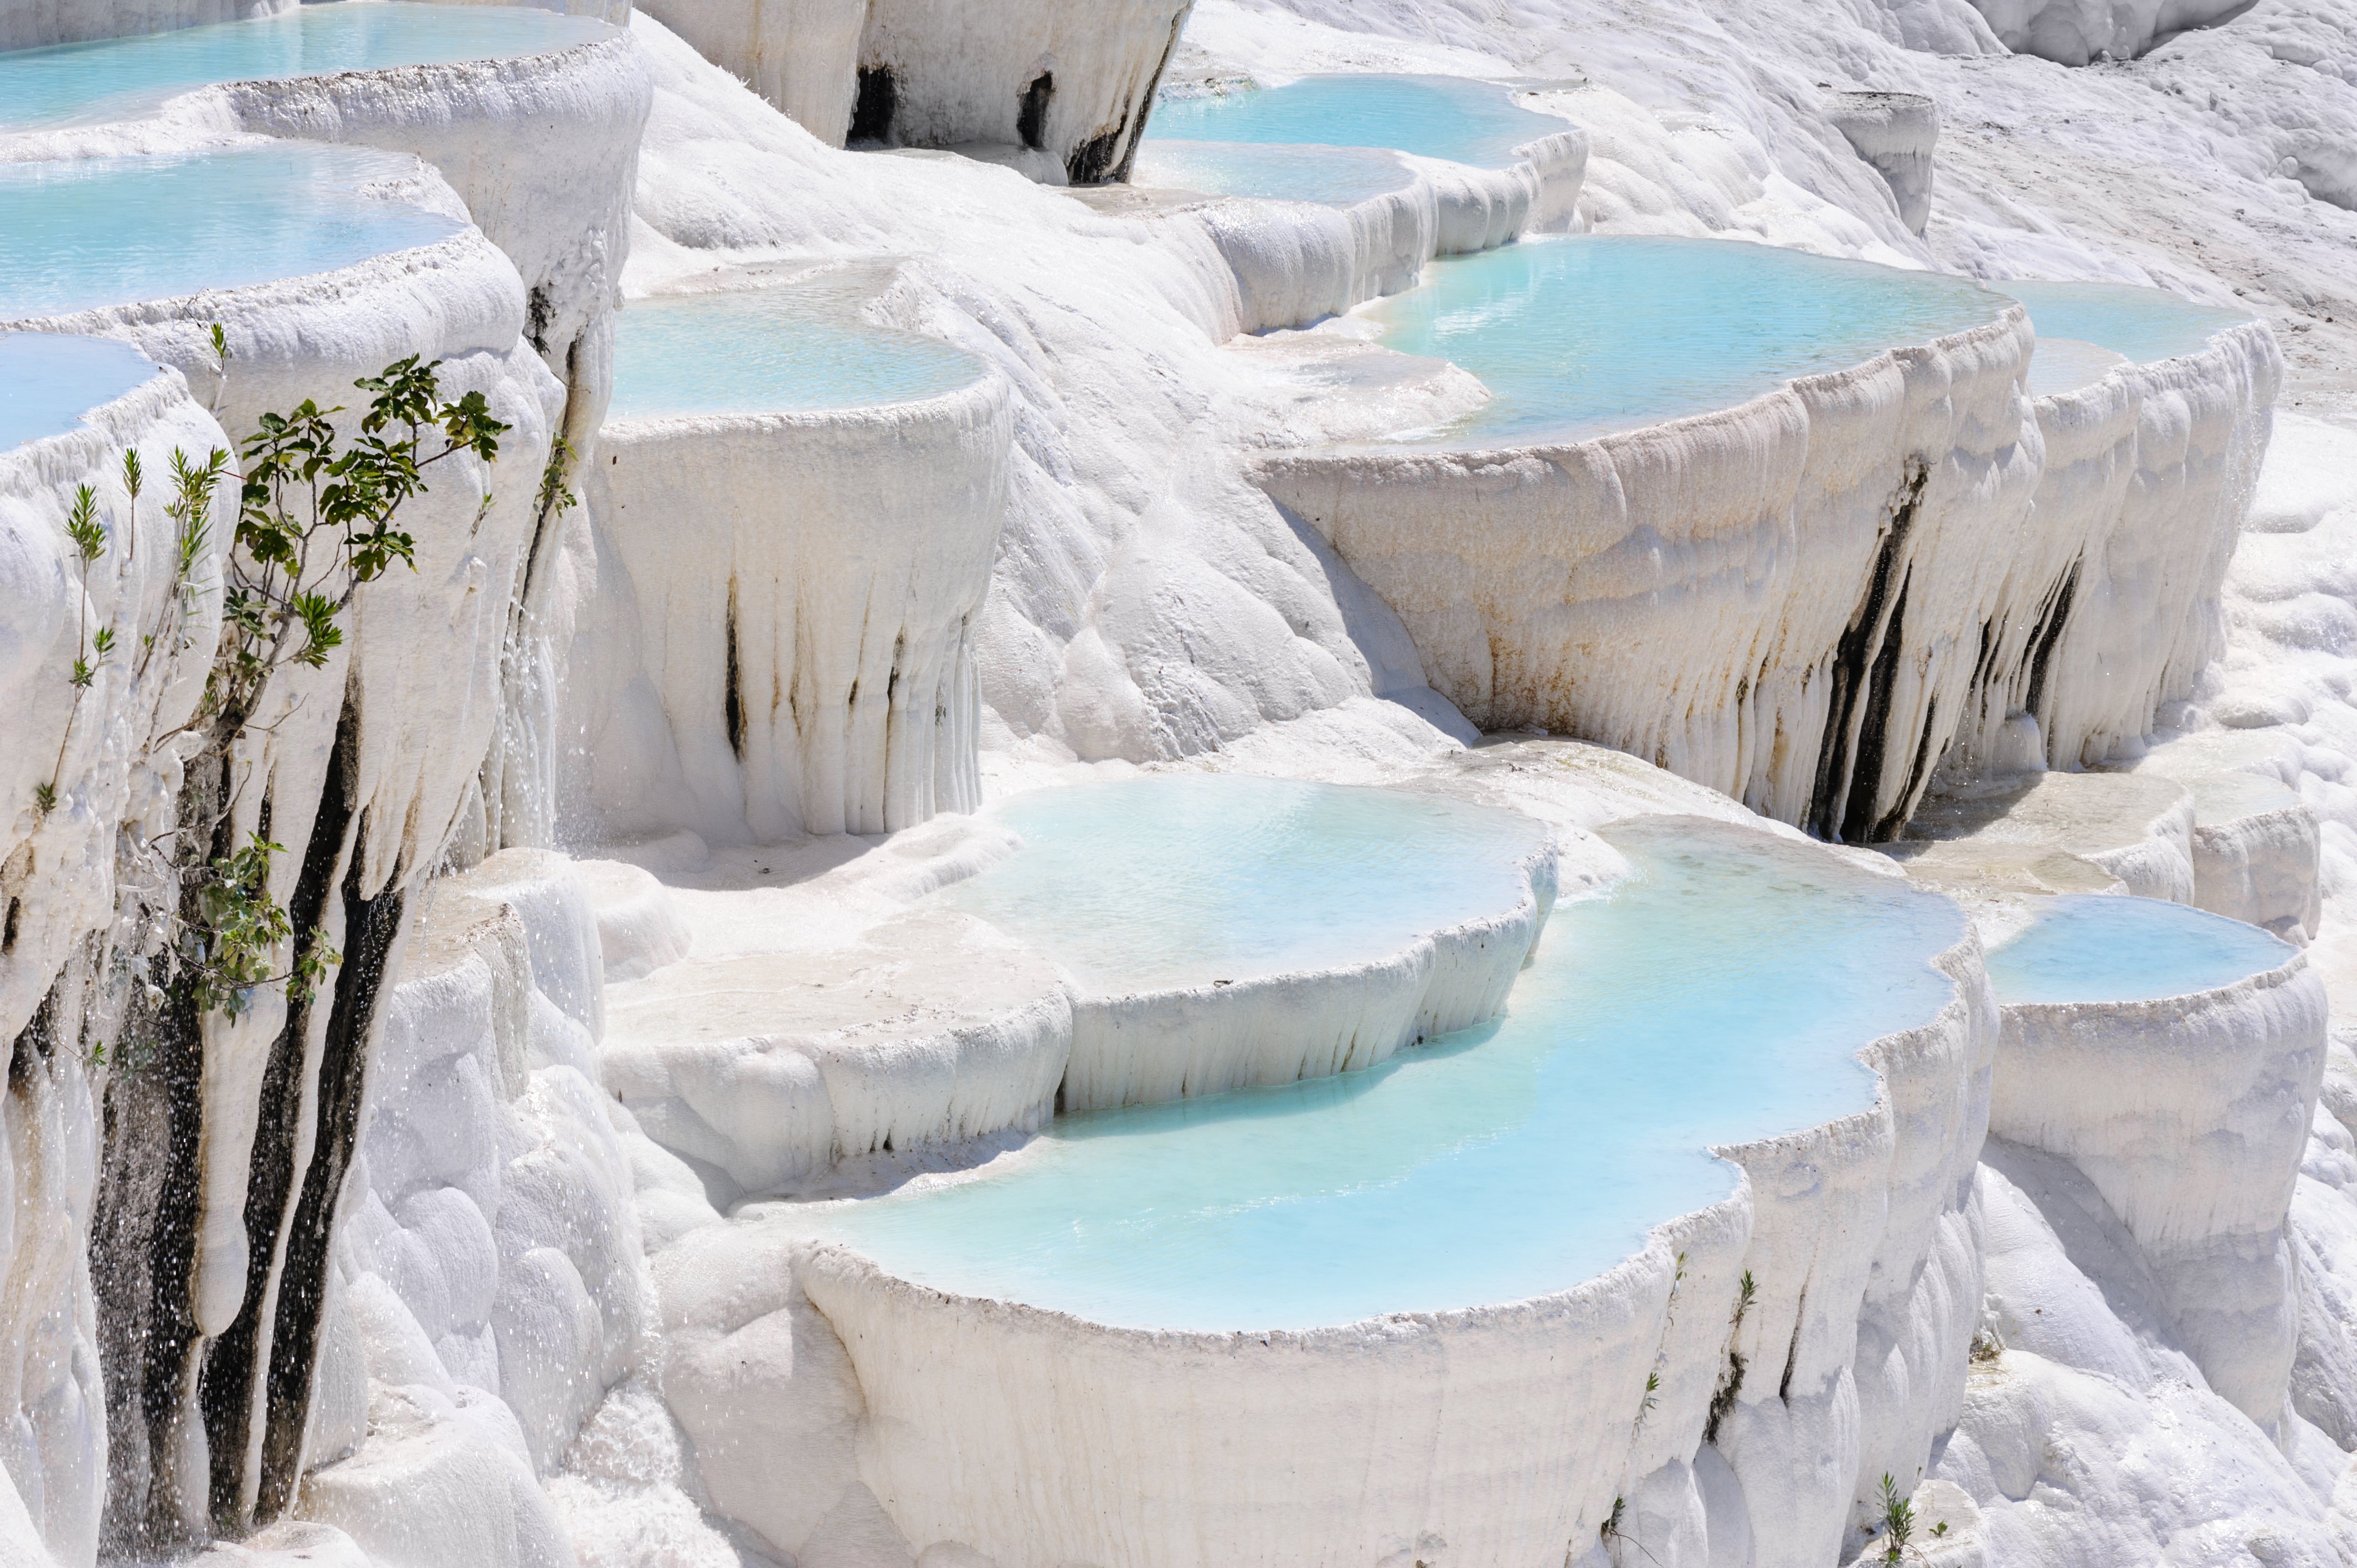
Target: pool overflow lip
{"x": 1521, "y": 1065}
{"x": 66, "y": 86}
{"x": 2099, "y": 949}
{"x": 202, "y": 221}
{"x": 50, "y": 383}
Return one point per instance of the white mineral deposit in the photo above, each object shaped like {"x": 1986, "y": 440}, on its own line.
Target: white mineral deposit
{"x": 1178, "y": 783}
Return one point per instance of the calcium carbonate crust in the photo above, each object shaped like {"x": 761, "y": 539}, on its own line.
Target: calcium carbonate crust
{"x": 58, "y": 884}
{"x": 2190, "y": 1116}
{"x": 1474, "y": 1431}
{"x": 835, "y": 572}
{"x": 1918, "y": 501}
{"x": 2147, "y": 474}
{"x": 543, "y": 151}
{"x": 1208, "y": 1039}
{"x": 931, "y": 1031}
{"x": 1295, "y": 262}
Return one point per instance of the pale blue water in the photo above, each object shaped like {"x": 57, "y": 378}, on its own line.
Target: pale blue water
{"x": 794, "y": 349}
{"x": 2144, "y": 324}
{"x": 1451, "y": 117}
{"x": 1334, "y": 176}
{"x": 1189, "y": 878}
{"x": 79, "y": 232}
{"x": 1580, "y": 335}
{"x": 2096, "y": 948}
{"x": 114, "y": 78}
{"x": 49, "y": 381}
{"x": 2066, "y": 364}
{"x": 1718, "y": 995}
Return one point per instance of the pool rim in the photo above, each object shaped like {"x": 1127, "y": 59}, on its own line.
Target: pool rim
{"x": 1961, "y": 963}
{"x": 984, "y": 386}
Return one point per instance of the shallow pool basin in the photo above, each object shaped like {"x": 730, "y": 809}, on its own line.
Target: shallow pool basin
{"x": 798, "y": 347}
{"x": 1583, "y": 335}
{"x": 50, "y": 381}
{"x": 116, "y": 78}
{"x": 2089, "y": 947}
{"x": 1451, "y": 117}
{"x": 1211, "y": 879}
{"x": 1331, "y": 177}
{"x": 2141, "y": 325}
{"x": 1719, "y": 993}
{"x": 83, "y": 233}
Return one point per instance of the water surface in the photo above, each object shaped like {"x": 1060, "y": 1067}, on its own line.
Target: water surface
{"x": 1580, "y": 335}
{"x": 1185, "y": 879}
{"x": 1719, "y": 995}
{"x": 2141, "y": 324}
{"x": 117, "y": 77}
{"x": 1332, "y": 176}
{"x": 1452, "y": 117}
{"x": 797, "y": 348}
{"x": 49, "y": 381}
{"x": 2099, "y": 948}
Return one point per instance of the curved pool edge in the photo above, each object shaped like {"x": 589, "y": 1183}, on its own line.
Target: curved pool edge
{"x": 540, "y": 151}
{"x": 1561, "y": 558}
{"x": 308, "y": 335}
{"x": 2184, "y": 1113}
{"x": 883, "y": 732}
{"x": 2146, "y": 475}
{"x": 1314, "y": 1446}
{"x": 1149, "y": 1045}
{"x": 1295, "y": 262}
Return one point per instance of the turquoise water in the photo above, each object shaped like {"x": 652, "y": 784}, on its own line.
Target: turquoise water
{"x": 1451, "y": 117}
{"x": 2144, "y": 324}
{"x": 1334, "y": 176}
{"x": 114, "y": 78}
{"x": 1717, "y": 995}
{"x": 794, "y": 349}
{"x": 49, "y": 381}
{"x": 1581, "y": 335}
{"x": 1189, "y": 878}
{"x": 2096, "y": 948}
{"x": 79, "y": 232}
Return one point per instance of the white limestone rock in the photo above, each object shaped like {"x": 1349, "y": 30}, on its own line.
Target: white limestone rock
{"x": 1895, "y": 132}
{"x": 1315, "y": 1446}
{"x": 763, "y": 1069}
{"x": 1135, "y": 1047}
{"x": 802, "y": 56}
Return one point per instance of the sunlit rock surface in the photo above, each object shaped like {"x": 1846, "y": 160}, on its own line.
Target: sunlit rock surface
{"x": 514, "y": 1328}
